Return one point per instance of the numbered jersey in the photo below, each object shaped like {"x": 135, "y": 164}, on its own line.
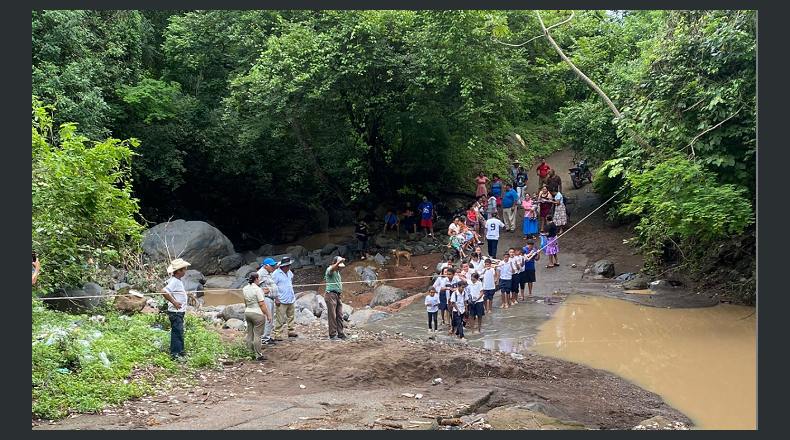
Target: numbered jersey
{"x": 492, "y": 228}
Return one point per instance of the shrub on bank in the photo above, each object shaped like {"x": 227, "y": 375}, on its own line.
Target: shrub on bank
{"x": 84, "y": 363}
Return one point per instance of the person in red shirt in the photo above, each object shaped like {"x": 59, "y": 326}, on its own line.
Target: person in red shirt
{"x": 543, "y": 172}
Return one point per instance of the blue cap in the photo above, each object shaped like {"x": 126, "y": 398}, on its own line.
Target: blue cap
{"x": 268, "y": 261}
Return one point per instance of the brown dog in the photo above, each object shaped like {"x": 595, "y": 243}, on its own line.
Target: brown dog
{"x": 405, "y": 254}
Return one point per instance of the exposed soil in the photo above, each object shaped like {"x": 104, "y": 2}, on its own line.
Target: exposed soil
{"x": 359, "y": 383}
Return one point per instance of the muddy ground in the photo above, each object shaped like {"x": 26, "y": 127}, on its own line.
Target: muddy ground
{"x": 371, "y": 382}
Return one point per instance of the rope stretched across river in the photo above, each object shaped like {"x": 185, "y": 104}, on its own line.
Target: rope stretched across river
{"x": 351, "y": 282}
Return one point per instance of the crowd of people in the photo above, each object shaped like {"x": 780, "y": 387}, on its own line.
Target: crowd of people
{"x": 458, "y": 294}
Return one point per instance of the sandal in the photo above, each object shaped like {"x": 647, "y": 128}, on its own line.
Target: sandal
{"x": 550, "y": 265}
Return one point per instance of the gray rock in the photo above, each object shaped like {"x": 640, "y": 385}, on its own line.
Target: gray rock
{"x": 347, "y": 311}
{"x": 385, "y": 295}
{"x": 313, "y": 302}
{"x": 368, "y": 276}
{"x": 234, "y": 311}
{"x": 405, "y": 247}
{"x": 427, "y": 240}
{"x": 328, "y": 248}
{"x": 231, "y": 263}
{"x": 250, "y": 257}
{"x": 304, "y": 317}
{"x": 419, "y": 249}
{"x": 380, "y": 259}
{"x": 638, "y": 283}
{"x": 79, "y": 304}
{"x": 628, "y": 276}
{"x": 344, "y": 251}
{"x": 239, "y": 283}
{"x": 212, "y": 317}
{"x": 193, "y": 286}
{"x": 219, "y": 282}
{"x": 297, "y": 251}
{"x": 306, "y": 261}
{"x": 194, "y": 275}
{"x": 440, "y": 225}
{"x": 383, "y": 242}
{"x": 587, "y": 270}
{"x": 243, "y": 271}
{"x": 367, "y": 315}
{"x": 296, "y": 264}
{"x": 236, "y": 324}
{"x": 196, "y": 242}
{"x": 266, "y": 249}
{"x": 414, "y": 236}
{"x": 604, "y": 268}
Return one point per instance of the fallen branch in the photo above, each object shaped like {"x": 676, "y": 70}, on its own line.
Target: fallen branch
{"x": 691, "y": 144}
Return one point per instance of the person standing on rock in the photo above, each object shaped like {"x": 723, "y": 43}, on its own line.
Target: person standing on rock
{"x": 286, "y": 298}
{"x": 176, "y": 295}
{"x": 269, "y": 287}
{"x": 361, "y": 232}
{"x": 532, "y": 255}
{"x": 509, "y": 207}
{"x": 458, "y": 303}
{"x": 427, "y": 215}
{"x": 521, "y": 184}
{"x": 255, "y": 314}
{"x": 334, "y": 307}
{"x": 409, "y": 221}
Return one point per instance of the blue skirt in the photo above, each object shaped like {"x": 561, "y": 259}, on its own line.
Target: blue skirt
{"x": 530, "y": 226}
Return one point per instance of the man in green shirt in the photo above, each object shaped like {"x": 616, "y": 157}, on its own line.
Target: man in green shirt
{"x": 334, "y": 288}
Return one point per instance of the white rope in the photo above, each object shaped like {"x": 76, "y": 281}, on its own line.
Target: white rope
{"x": 349, "y": 282}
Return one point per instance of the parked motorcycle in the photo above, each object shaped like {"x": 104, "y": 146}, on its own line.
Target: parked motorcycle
{"x": 579, "y": 173}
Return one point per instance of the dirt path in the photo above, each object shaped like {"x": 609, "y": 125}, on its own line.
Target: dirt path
{"x": 371, "y": 382}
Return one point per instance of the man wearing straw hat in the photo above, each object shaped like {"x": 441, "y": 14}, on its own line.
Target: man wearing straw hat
{"x": 176, "y": 295}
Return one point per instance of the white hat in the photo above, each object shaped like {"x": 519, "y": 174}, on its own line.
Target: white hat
{"x": 336, "y": 259}
{"x": 176, "y": 264}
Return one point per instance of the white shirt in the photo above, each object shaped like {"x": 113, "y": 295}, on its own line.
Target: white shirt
{"x": 475, "y": 289}
{"x": 488, "y": 279}
{"x": 176, "y": 289}
{"x": 505, "y": 270}
{"x": 478, "y": 265}
{"x": 492, "y": 229}
{"x": 520, "y": 263}
{"x": 432, "y": 303}
{"x": 459, "y": 299}
{"x": 454, "y": 229}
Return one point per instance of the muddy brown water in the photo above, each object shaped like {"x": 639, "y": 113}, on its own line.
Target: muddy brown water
{"x": 702, "y": 362}
{"x": 318, "y": 241}
{"x": 222, "y": 297}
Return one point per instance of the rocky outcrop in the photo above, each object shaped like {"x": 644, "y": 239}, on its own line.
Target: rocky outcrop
{"x": 199, "y": 243}
{"x": 234, "y": 311}
{"x": 604, "y": 268}
{"x": 312, "y": 302}
{"x": 385, "y": 295}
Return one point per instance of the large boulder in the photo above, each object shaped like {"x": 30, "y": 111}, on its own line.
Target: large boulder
{"x": 196, "y": 242}
{"x": 193, "y": 286}
{"x": 328, "y": 248}
{"x": 383, "y": 242}
{"x": 239, "y": 283}
{"x": 604, "y": 268}
{"x": 250, "y": 257}
{"x": 243, "y": 271}
{"x": 312, "y": 302}
{"x": 220, "y": 282}
{"x": 344, "y": 251}
{"x": 234, "y": 311}
{"x": 304, "y": 317}
{"x": 385, "y": 295}
{"x": 266, "y": 249}
{"x": 367, "y": 275}
{"x": 440, "y": 225}
{"x": 231, "y": 262}
{"x": 130, "y": 303}
{"x": 347, "y": 311}
{"x": 87, "y": 298}
{"x": 296, "y": 251}
{"x": 194, "y": 275}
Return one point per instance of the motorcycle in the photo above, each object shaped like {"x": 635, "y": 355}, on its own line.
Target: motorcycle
{"x": 579, "y": 173}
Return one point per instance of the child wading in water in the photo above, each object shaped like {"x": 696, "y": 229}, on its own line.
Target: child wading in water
{"x": 432, "y": 304}
{"x": 458, "y": 302}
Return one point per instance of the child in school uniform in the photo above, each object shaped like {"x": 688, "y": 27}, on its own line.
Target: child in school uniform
{"x": 476, "y": 303}
{"x": 432, "y": 304}
{"x": 458, "y": 301}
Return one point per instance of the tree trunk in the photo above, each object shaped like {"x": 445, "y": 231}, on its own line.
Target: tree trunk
{"x": 595, "y": 87}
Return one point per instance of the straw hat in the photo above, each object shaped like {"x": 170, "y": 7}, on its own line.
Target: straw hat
{"x": 176, "y": 264}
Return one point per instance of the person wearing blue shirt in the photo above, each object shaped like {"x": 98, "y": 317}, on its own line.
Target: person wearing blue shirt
{"x": 283, "y": 277}
{"x": 426, "y": 210}
{"x": 391, "y": 223}
{"x": 509, "y": 207}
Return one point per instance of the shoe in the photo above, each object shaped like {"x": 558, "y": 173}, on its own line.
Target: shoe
{"x": 334, "y": 338}
{"x": 269, "y": 342}
{"x": 276, "y": 339}
{"x": 362, "y": 258}
{"x": 293, "y": 335}
{"x": 342, "y": 336}
{"x": 261, "y": 358}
